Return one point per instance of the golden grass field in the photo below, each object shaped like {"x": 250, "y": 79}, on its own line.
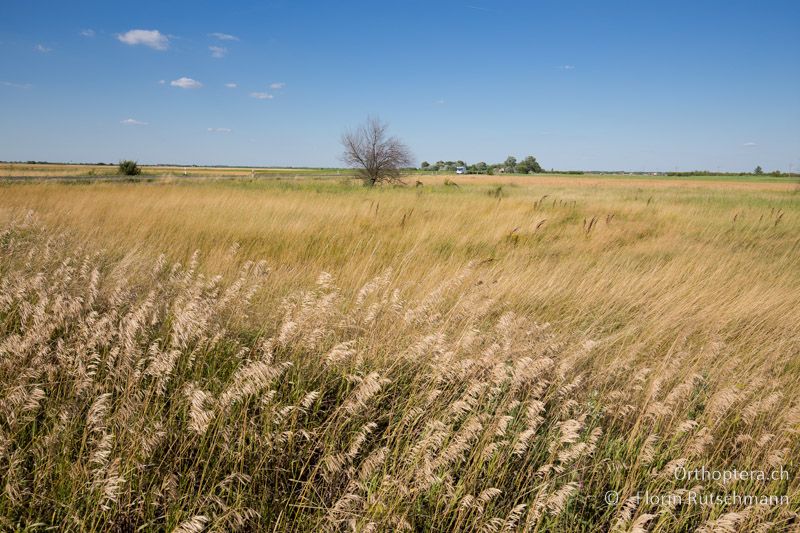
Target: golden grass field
{"x": 302, "y": 355}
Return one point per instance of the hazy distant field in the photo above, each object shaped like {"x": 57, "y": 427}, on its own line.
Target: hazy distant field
{"x": 66, "y": 171}
{"x": 58, "y": 171}
{"x": 509, "y": 353}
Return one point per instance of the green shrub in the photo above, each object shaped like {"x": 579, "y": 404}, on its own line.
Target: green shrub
{"x": 129, "y": 168}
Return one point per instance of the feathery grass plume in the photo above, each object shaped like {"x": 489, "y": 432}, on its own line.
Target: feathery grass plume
{"x": 333, "y": 464}
{"x": 201, "y": 408}
{"x": 368, "y": 387}
{"x": 625, "y": 513}
{"x": 376, "y": 284}
{"x": 668, "y": 472}
{"x": 727, "y": 523}
{"x": 325, "y": 280}
{"x": 640, "y": 523}
{"x": 433, "y": 436}
{"x": 195, "y": 524}
{"x": 15, "y": 488}
{"x": 308, "y": 400}
{"x": 95, "y": 418}
{"x": 161, "y": 365}
{"x": 791, "y": 419}
{"x": 101, "y": 453}
{"x": 488, "y": 495}
{"x": 467, "y": 502}
{"x": 699, "y": 442}
{"x": 359, "y": 439}
{"x": 686, "y": 426}
{"x": 777, "y": 458}
{"x": 341, "y": 352}
{"x": 371, "y": 464}
{"x": 468, "y": 400}
{"x": 557, "y": 501}
{"x": 492, "y": 525}
{"x": 111, "y": 486}
{"x": 568, "y": 433}
{"x": 461, "y": 441}
{"x": 344, "y": 508}
{"x": 760, "y": 407}
{"x": 151, "y": 437}
{"x": 31, "y": 401}
{"x": 580, "y": 449}
{"x": 250, "y": 379}
{"x": 648, "y": 449}
{"x": 534, "y": 421}
{"x": 513, "y": 517}
{"x": 720, "y": 403}
{"x": 425, "y": 310}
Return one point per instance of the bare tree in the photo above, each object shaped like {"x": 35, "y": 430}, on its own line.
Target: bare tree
{"x": 377, "y": 157}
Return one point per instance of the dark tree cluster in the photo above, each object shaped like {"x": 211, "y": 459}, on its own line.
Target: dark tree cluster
{"x": 529, "y": 165}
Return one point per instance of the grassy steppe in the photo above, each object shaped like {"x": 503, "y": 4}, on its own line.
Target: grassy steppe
{"x": 497, "y": 354}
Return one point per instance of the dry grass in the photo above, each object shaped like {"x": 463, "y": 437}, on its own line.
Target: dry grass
{"x": 436, "y": 358}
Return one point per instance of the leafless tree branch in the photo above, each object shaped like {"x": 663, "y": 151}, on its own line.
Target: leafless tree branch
{"x": 377, "y": 157}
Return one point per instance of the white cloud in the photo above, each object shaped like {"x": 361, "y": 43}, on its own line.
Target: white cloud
{"x": 186, "y": 83}
{"x": 218, "y": 52}
{"x": 87, "y": 33}
{"x": 223, "y": 36}
{"x": 231, "y": 85}
{"x": 132, "y": 122}
{"x": 277, "y": 85}
{"x": 16, "y": 85}
{"x": 162, "y": 82}
{"x": 220, "y": 130}
{"x": 750, "y": 144}
{"x": 42, "y": 48}
{"x": 152, "y": 38}
{"x": 567, "y": 67}
{"x": 262, "y": 96}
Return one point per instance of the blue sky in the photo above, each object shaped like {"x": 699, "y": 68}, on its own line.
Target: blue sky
{"x": 579, "y": 84}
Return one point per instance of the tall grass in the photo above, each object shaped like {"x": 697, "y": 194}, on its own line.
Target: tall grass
{"x": 313, "y": 356}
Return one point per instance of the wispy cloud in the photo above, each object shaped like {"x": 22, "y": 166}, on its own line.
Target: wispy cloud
{"x": 750, "y": 144}
{"x": 220, "y": 130}
{"x": 87, "y": 33}
{"x": 223, "y": 36}
{"x": 479, "y": 8}
{"x": 16, "y": 85}
{"x": 186, "y": 83}
{"x": 218, "y": 52}
{"x": 42, "y": 48}
{"x": 566, "y": 67}
{"x": 231, "y": 85}
{"x": 277, "y": 85}
{"x": 132, "y": 122}
{"x": 152, "y": 38}
{"x": 262, "y": 96}
{"x": 440, "y": 101}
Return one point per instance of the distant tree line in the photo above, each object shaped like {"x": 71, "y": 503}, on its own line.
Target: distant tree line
{"x": 758, "y": 171}
{"x": 529, "y": 165}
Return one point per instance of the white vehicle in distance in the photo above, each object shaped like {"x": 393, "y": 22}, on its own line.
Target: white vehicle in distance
{"x": 461, "y": 170}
